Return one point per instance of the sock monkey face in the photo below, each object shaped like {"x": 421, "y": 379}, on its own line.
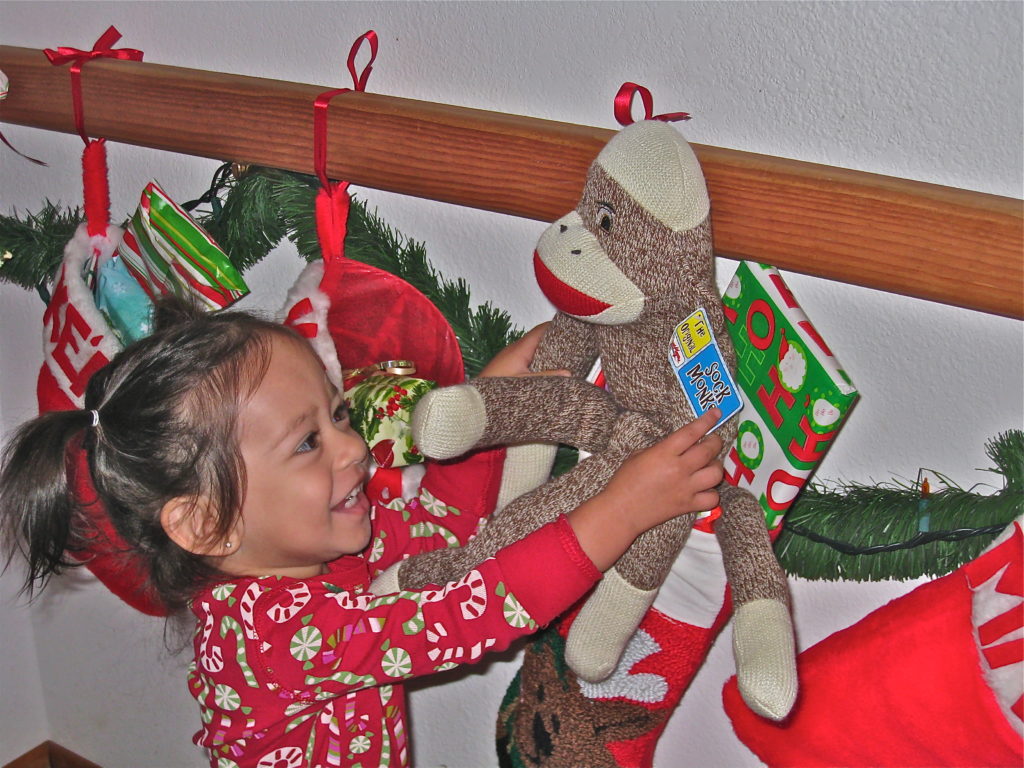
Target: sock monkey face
{"x": 640, "y": 230}
{"x": 577, "y": 275}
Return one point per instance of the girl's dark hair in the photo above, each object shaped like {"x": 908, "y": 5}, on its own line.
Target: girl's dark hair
{"x": 167, "y": 413}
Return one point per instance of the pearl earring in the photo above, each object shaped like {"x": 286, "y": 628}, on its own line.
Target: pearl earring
{"x": 227, "y": 545}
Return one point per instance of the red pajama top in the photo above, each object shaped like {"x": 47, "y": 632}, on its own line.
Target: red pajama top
{"x": 308, "y": 672}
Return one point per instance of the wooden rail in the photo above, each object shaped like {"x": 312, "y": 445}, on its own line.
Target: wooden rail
{"x": 932, "y": 242}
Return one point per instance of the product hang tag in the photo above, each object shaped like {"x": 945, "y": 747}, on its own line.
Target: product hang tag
{"x": 697, "y": 361}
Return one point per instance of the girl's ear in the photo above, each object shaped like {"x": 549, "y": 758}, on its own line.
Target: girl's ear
{"x": 189, "y": 523}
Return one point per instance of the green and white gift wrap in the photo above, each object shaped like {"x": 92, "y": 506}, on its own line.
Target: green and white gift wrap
{"x": 796, "y": 395}
{"x": 380, "y": 408}
{"x": 168, "y": 252}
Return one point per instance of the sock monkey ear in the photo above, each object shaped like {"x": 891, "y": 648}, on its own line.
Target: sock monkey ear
{"x": 189, "y": 522}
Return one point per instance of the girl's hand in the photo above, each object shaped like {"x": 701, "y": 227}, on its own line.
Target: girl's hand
{"x": 676, "y": 476}
{"x": 515, "y": 359}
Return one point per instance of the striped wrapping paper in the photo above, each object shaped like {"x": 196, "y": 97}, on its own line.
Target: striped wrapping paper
{"x": 168, "y": 252}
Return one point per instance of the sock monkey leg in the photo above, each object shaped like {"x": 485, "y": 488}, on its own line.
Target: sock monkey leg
{"x": 762, "y": 634}
{"x": 602, "y": 629}
{"x": 526, "y": 467}
{"x": 609, "y": 618}
{"x": 750, "y": 562}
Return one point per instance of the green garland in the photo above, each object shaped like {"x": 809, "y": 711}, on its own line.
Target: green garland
{"x": 31, "y": 248}
{"x": 263, "y": 205}
{"x": 870, "y": 533}
{"x": 851, "y": 532}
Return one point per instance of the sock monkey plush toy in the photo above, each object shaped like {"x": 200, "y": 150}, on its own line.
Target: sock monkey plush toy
{"x": 628, "y": 270}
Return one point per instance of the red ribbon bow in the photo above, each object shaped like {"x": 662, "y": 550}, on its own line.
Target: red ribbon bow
{"x": 332, "y": 201}
{"x": 100, "y": 50}
{"x": 624, "y": 106}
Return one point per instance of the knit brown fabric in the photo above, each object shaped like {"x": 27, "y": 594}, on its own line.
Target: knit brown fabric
{"x": 551, "y": 723}
{"x": 549, "y": 409}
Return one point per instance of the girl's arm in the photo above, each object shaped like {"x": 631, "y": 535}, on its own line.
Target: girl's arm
{"x": 445, "y": 512}
{"x": 362, "y": 640}
{"x": 309, "y": 636}
{"x": 679, "y": 474}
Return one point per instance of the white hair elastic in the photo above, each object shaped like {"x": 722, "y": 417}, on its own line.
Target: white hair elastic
{"x": 95, "y": 418}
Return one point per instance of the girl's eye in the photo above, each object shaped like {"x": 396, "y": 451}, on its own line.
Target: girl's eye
{"x": 340, "y": 413}
{"x": 310, "y": 443}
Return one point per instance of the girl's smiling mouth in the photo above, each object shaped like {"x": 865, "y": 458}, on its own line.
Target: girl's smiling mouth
{"x": 355, "y": 502}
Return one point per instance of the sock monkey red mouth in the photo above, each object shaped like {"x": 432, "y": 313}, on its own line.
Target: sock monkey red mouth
{"x": 563, "y": 295}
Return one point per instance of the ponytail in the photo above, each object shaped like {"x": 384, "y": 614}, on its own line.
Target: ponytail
{"x": 38, "y": 511}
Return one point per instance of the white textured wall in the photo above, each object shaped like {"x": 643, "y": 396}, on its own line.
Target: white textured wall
{"x": 929, "y": 91}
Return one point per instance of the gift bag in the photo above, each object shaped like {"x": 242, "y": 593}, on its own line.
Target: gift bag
{"x": 168, "y": 252}
{"x": 796, "y": 393}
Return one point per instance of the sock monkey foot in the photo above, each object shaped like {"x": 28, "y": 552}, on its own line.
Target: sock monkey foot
{"x": 603, "y": 627}
{"x": 765, "y": 653}
{"x": 448, "y": 422}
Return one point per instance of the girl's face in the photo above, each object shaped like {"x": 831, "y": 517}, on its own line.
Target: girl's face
{"x": 306, "y": 468}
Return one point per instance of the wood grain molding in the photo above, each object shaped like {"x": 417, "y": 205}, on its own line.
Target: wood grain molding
{"x": 937, "y": 243}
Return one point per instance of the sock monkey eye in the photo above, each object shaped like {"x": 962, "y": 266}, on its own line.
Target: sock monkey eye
{"x": 605, "y": 216}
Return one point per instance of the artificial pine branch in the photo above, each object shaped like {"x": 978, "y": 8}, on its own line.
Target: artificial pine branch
{"x": 247, "y": 225}
{"x": 265, "y": 196}
{"x": 295, "y": 197}
{"x": 892, "y": 531}
{"x": 35, "y": 244}
{"x": 249, "y": 216}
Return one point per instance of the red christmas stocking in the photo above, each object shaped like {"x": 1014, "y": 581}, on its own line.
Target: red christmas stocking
{"x": 356, "y": 315}
{"x": 934, "y": 677}
{"x": 550, "y": 718}
{"x": 76, "y": 343}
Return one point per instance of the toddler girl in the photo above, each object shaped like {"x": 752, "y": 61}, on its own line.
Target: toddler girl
{"x": 225, "y": 458}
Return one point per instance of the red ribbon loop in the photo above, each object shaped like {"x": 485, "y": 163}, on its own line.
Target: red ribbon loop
{"x": 324, "y": 99}
{"x": 624, "y": 106}
{"x": 101, "y": 49}
{"x": 320, "y": 133}
{"x": 359, "y": 81}
{"x": 332, "y": 202}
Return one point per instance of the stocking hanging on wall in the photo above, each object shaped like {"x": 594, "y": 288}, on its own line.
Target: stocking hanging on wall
{"x": 357, "y": 316}
{"x": 935, "y": 677}
{"x": 77, "y": 341}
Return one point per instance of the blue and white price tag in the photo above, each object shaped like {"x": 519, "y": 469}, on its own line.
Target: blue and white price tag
{"x": 701, "y": 370}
